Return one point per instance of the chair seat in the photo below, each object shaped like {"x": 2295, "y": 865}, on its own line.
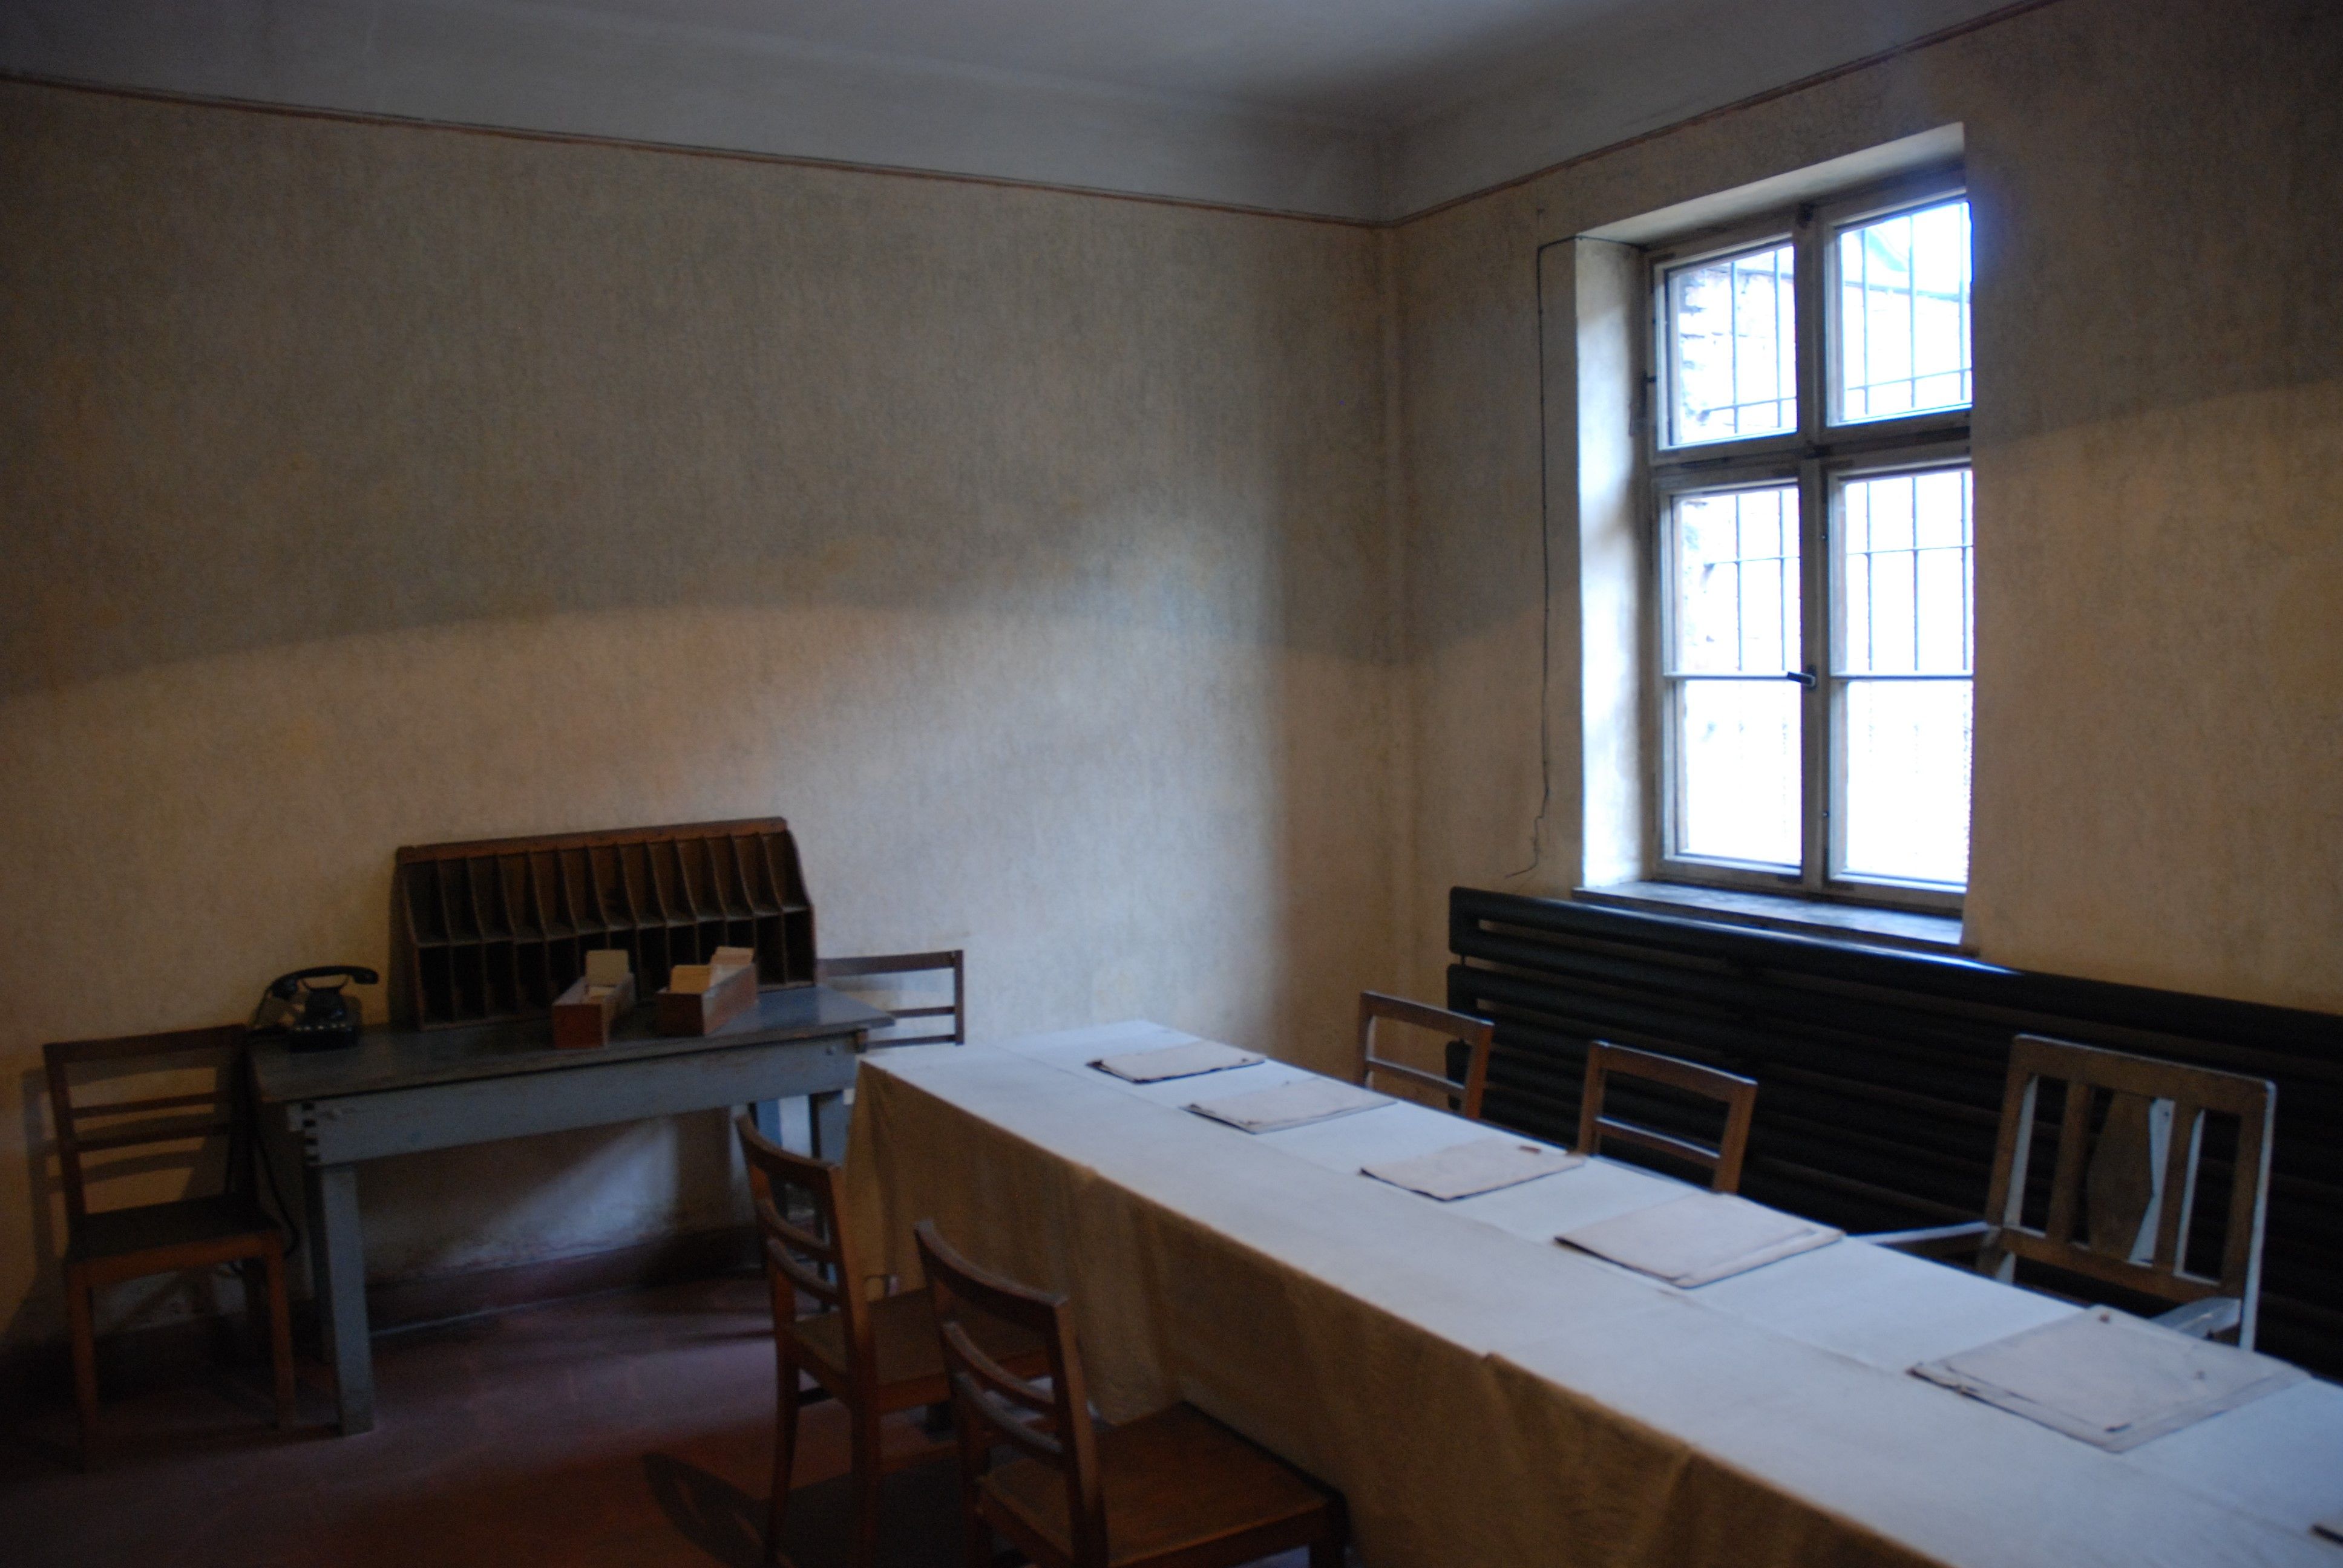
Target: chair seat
{"x": 219, "y": 1219}
{"x": 911, "y": 1363}
{"x": 1174, "y": 1481}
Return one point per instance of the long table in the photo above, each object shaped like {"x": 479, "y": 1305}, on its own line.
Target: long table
{"x": 1481, "y": 1395}
{"x": 400, "y": 1092}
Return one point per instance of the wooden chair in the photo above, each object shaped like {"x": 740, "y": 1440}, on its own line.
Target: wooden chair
{"x": 2130, "y": 1187}
{"x": 876, "y": 1356}
{"x": 105, "y": 1247}
{"x": 1739, "y": 1095}
{"x": 827, "y": 969}
{"x": 1476, "y": 1034}
{"x": 1175, "y": 1488}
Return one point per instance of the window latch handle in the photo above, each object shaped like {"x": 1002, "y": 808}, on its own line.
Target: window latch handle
{"x": 1804, "y": 678}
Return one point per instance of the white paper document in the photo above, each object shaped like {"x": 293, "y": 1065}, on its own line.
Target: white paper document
{"x": 1695, "y": 1241}
{"x": 1175, "y": 1061}
{"x": 2109, "y": 1378}
{"x": 1483, "y": 1165}
{"x": 1291, "y": 1104}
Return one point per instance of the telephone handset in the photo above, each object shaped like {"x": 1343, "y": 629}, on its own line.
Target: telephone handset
{"x": 326, "y": 1020}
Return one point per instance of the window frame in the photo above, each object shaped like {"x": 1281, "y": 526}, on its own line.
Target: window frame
{"x": 1818, "y": 456}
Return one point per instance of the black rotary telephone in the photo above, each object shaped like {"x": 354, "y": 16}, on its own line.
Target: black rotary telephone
{"x": 326, "y": 1020}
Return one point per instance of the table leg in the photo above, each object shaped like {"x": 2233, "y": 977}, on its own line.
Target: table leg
{"x": 829, "y": 1118}
{"x": 338, "y": 1247}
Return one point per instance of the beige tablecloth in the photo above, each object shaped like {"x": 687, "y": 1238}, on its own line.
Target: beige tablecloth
{"x": 1483, "y": 1396}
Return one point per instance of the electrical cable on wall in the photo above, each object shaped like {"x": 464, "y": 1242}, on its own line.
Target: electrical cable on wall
{"x": 1545, "y": 602}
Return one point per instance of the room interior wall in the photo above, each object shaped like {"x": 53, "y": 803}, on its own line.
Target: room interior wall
{"x": 2159, "y": 506}
{"x": 1157, "y": 602}
{"x": 371, "y": 485}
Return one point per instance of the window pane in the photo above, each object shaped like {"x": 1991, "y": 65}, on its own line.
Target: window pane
{"x": 1908, "y": 780}
{"x": 1732, "y": 347}
{"x": 1735, "y": 556}
{"x": 1737, "y": 771}
{"x": 1904, "y": 315}
{"x": 1905, "y": 574}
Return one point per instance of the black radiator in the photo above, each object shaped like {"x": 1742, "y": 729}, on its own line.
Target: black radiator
{"x": 1882, "y": 1071}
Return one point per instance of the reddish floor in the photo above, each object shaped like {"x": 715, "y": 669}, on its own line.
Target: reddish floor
{"x": 631, "y": 1429}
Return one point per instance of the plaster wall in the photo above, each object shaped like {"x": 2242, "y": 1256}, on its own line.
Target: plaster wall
{"x": 2159, "y": 793}
{"x": 368, "y": 485}
{"x": 659, "y": 75}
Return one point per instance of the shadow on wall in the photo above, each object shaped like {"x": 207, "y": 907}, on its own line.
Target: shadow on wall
{"x": 292, "y": 379}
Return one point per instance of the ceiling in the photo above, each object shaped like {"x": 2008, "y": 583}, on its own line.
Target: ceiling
{"x": 1372, "y": 61}
{"x": 1368, "y": 109}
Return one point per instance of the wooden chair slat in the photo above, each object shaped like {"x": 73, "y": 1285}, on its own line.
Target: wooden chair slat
{"x": 1609, "y": 1127}
{"x": 805, "y": 1280}
{"x": 953, "y": 960}
{"x": 171, "y": 1129}
{"x": 190, "y": 1230}
{"x": 876, "y": 1356}
{"x": 1476, "y": 1034}
{"x": 2194, "y": 1092}
{"x": 2179, "y": 1191}
{"x": 1055, "y": 1506}
{"x": 2066, "y": 1179}
{"x": 885, "y": 964}
{"x": 99, "y": 1110}
{"x": 1738, "y": 1095}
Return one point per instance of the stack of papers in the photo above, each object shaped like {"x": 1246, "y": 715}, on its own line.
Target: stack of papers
{"x": 1695, "y": 1241}
{"x": 1175, "y": 1061}
{"x": 2110, "y": 1379}
{"x": 1290, "y": 1105}
{"x": 1483, "y": 1165}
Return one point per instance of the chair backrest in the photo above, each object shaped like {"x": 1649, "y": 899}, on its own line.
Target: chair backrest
{"x": 827, "y": 969}
{"x": 110, "y": 1127}
{"x": 801, "y": 1264}
{"x": 2123, "y": 1192}
{"x": 1050, "y": 1422}
{"x": 1606, "y": 1061}
{"x": 1476, "y": 1034}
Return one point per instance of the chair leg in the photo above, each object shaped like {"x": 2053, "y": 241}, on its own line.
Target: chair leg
{"x": 280, "y": 1335}
{"x": 785, "y": 1454}
{"x": 83, "y": 1330}
{"x": 869, "y": 1472}
{"x": 1331, "y": 1549}
{"x": 975, "y": 1535}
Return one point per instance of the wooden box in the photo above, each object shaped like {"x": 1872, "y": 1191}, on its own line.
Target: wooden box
{"x": 700, "y": 999}
{"x": 583, "y": 1014}
{"x": 497, "y": 929}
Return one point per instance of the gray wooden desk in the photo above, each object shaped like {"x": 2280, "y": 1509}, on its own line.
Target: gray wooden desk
{"x": 399, "y": 1091}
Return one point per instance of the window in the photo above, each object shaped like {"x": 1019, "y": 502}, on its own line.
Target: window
{"x": 1810, "y": 503}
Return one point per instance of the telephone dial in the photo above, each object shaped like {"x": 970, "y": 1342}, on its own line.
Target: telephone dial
{"x": 310, "y": 1014}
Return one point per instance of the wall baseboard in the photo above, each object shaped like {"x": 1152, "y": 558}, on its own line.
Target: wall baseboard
{"x": 153, "y": 1357}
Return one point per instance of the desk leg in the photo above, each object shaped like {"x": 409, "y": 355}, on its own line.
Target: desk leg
{"x": 829, "y": 1117}
{"x": 339, "y": 1249}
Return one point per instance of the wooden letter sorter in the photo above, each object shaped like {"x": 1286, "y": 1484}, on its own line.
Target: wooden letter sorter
{"x": 498, "y": 928}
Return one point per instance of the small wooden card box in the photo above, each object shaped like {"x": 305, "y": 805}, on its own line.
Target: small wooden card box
{"x": 583, "y": 1014}
{"x": 702, "y": 998}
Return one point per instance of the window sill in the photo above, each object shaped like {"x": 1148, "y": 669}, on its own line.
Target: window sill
{"x": 1772, "y": 911}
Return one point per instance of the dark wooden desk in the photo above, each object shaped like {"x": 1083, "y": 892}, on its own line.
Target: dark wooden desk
{"x": 399, "y": 1091}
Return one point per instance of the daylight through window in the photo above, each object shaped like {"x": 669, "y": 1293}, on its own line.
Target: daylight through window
{"x": 1813, "y": 513}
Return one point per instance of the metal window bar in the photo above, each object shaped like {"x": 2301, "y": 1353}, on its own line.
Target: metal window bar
{"x": 1820, "y": 326}
{"x": 1860, "y": 400}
